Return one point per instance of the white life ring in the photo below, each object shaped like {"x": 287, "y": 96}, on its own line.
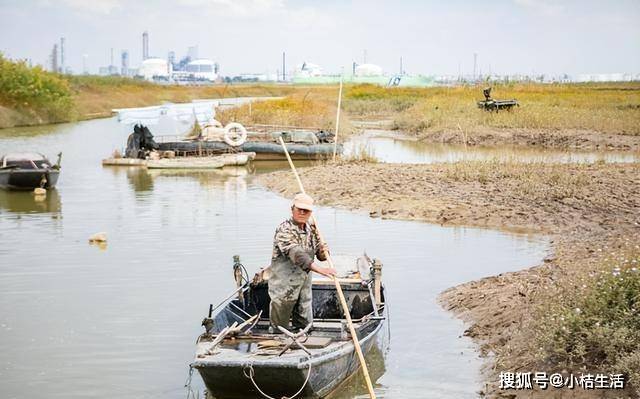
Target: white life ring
{"x": 231, "y": 136}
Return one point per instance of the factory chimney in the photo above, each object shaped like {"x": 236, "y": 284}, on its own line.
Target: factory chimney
{"x": 284, "y": 75}
{"x": 62, "y": 68}
{"x": 145, "y": 45}
{"x": 54, "y": 58}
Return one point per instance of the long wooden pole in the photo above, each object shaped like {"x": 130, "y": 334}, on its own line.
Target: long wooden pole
{"x": 335, "y": 143}
{"x": 343, "y": 301}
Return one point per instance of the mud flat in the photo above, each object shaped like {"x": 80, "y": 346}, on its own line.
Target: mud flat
{"x": 591, "y": 212}
{"x": 581, "y": 139}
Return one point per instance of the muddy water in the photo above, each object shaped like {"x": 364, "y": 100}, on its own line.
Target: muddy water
{"x": 389, "y": 147}
{"x": 80, "y": 321}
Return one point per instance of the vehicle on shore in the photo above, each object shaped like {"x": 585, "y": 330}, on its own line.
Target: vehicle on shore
{"x": 240, "y": 356}
{"x": 27, "y": 171}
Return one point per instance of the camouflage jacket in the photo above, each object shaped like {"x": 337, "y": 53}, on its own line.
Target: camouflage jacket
{"x": 295, "y": 245}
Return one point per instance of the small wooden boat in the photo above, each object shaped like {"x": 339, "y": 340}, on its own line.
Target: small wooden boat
{"x": 26, "y": 171}
{"x": 241, "y": 357}
{"x": 209, "y": 162}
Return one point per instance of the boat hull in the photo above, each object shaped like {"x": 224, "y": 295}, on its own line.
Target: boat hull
{"x": 265, "y": 151}
{"x": 28, "y": 179}
{"x": 281, "y": 378}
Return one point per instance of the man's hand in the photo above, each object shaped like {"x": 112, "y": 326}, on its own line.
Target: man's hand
{"x": 328, "y": 271}
{"x": 324, "y": 248}
{"x": 325, "y": 271}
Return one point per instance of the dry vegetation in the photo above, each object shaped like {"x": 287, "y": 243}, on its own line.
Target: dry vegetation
{"x": 605, "y": 108}
{"x": 312, "y": 107}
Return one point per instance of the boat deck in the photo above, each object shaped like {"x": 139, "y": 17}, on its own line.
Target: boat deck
{"x": 262, "y": 348}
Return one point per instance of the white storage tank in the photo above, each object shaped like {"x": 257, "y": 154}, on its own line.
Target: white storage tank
{"x": 368, "y": 70}
{"x": 154, "y": 67}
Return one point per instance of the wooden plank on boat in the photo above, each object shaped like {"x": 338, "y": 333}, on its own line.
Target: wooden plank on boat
{"x": 311, "y": 343}
{"x": 317, "y": 342}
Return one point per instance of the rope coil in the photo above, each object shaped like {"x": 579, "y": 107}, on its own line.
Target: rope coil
{"x": 250, "y": 373}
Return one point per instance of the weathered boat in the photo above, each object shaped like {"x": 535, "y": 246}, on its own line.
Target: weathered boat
{"x": 302, "y": 144}
{"x": 264, "y": 150}
{"x": 26, "y": 171}
{"x": 239, "y": 356}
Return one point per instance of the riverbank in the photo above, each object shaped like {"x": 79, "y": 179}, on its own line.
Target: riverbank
{"x": 518, "y": 319}
{"x": 565, "y": 116}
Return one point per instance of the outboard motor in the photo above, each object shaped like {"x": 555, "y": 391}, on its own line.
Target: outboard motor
{"x": 139, "y": 142}
{"x": 148, "y": 143}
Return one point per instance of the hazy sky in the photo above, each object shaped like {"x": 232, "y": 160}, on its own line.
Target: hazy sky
{"x": 433, "y": 37}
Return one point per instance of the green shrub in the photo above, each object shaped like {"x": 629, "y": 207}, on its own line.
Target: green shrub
{"x": 597, "y": 323}
{"x": 35, "y": 91}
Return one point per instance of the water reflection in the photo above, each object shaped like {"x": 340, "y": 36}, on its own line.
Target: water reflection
{"x": 139, "y": 179}
{"x": 389, "y": 147}
{"x": 27, "y": 202}
{"x": 355, "y": 385}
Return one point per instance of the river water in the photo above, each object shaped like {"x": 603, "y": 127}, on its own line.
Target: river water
{"x": 387, "y": 146}
{"x": 81, "y": 321}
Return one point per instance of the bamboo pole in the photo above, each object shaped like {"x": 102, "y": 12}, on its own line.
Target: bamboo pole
{"x": 343, "y": 301}
{"x": 335, "y": 143}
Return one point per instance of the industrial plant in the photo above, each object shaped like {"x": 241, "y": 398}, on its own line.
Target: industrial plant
{"x": 194, "y": 70}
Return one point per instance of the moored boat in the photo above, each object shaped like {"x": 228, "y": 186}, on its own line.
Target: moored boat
{"x": 239, "y": 356}
{"x": 26, "y": 171}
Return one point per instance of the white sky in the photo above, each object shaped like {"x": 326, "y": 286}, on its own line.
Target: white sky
{"x": 433, "y": 37}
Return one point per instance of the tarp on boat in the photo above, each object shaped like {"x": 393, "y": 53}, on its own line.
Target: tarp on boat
{"x": 169, "y": 118}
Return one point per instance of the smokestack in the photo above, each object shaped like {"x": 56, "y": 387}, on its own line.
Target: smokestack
{"x": 284, "y": 75}
{"x": 62, "y": 68}
{"x": 475, "y": 65}
{"x": 54, "y": 58}
{"x": 145, "y": 45}
{"x": 124, "y": 63}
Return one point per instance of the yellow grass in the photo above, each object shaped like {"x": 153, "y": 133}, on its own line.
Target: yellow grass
{"x": 606, "y": 108}
{"x": 312, "y": 108}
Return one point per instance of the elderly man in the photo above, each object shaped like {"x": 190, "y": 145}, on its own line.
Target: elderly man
{"x": 295, "y": 245}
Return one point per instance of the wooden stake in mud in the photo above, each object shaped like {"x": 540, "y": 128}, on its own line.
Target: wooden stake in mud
{"x": 343, "y": 301}
{"x": 335, "y": 143}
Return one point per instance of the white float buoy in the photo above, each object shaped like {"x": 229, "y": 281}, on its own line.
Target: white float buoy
{"x": 98, "y": 237}
{"x": 39, "y": 191}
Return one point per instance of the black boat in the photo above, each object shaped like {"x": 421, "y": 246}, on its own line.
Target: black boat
{"x": 241, "y": 357}
{"x": 26, "y": 171}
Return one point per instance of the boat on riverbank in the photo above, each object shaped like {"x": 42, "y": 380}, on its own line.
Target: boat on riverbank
{"x": 212, "y": 162}
{"x": 27, "y": 171}
{"x": 302, "y": 143}
{"x": 240, "y": 357}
